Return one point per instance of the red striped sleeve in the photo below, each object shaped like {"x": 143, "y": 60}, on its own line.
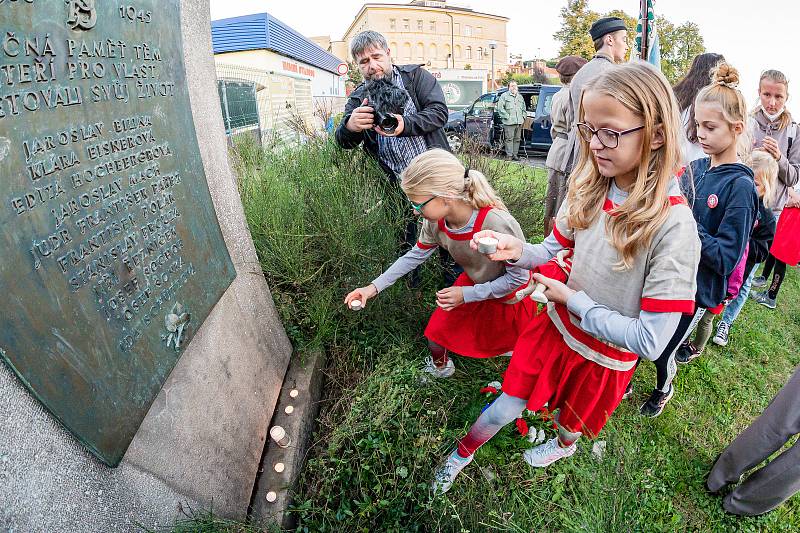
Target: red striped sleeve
{"x": 655, "y": 305}
{"x": 423, "y": 246}
{"x": 563, "y": 241}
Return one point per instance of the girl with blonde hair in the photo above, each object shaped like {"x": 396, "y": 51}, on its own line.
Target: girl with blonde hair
{"x": 633, "y": 270}
{"x": 765, "y": 171}
{"x": 480, "y": 315}
{"x": 775, "y": 133}
{"x": 722, "y": 194}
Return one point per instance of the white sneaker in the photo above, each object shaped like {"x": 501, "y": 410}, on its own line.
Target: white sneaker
{"x": 548, "y": 453}
{"x": 444, "y": 372}
{"x": 448, "y": 471}
{"x": 721, "y": 338}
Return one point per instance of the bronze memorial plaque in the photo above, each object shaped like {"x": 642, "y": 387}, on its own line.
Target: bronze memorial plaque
{"x": 112, "y": 256}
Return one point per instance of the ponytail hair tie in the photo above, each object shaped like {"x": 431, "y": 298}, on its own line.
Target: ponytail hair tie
{"x": 467, "y": 179}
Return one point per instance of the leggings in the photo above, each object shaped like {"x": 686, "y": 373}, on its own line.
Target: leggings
{"x": 705, "y": 327}
{"x": 503, "y": 410}
{"x": 666, "y": 368}
{"x": 777, "y": 279}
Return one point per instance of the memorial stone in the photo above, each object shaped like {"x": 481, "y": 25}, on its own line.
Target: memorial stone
{"x": 112, "y": 255}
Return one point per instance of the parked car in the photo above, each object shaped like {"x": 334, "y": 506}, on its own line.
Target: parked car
{"x": 480, "y": 121}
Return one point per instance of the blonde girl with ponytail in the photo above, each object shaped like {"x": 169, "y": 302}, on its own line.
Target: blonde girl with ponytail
{"x": 480, "y": 315}
{"x": 722, "y": 193}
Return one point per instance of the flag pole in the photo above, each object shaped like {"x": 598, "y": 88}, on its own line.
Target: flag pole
{"x": 643, "y": 19}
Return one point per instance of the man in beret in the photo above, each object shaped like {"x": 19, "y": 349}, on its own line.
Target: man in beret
{"x": 557, "y": 155}
{"x": 611, "y": 46}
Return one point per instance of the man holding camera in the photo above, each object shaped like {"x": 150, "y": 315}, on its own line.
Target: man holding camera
{"x": 419, "y": 127}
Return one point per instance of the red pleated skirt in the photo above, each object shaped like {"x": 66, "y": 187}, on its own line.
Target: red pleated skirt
{"x": 786, "y": 245}
{"x": 480, "y": 329}
{"x": 543, "y": 369}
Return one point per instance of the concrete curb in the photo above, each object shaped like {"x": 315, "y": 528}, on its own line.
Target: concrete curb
{"x": 305, "y": 376}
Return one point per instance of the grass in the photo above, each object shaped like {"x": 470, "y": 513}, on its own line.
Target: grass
{"x": 324, "y": 222}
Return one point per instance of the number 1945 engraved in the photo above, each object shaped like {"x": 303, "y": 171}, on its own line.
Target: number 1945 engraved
{"x": 134, "y": 14}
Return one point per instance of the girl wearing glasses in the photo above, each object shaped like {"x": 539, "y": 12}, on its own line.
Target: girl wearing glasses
{"x": 480, "y": 315}
{"x": 633, "y": 272}
{"x": 722, "y": 193}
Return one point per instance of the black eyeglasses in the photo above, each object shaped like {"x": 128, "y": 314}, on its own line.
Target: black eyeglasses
{"x": 607, "y": 137}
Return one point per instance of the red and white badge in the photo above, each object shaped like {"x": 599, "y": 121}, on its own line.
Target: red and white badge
{"x": 713, "y": 201}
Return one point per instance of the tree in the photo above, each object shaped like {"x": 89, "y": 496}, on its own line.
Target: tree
{"x": 576, "y": 19}
{"x": 679, "y": 46}
{"x": 354, "y": 73}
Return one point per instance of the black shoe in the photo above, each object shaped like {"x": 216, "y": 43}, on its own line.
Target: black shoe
{"x": 687, "y": 352}
{"x": 514, "y": 158}
{"x": 655, "y": 404}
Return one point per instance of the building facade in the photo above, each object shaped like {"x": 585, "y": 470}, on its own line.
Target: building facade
{"x": 262, "y": 42}
{"x": 432, "y": 33}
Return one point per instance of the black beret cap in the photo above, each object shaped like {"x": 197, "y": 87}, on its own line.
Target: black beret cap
{"x": 605, "y": 26}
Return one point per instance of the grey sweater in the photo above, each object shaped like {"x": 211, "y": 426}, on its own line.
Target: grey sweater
{"x": 788, "y": 164}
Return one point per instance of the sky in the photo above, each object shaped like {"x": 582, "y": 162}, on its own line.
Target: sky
{"x": 752, "y": 41}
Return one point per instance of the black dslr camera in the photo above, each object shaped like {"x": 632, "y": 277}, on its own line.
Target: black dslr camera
{"x": 386, "y": 99}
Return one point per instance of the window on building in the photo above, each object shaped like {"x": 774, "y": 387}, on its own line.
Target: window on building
{"x": 469, "y": 52}
{"x": 458, "y": 52}
{"x": 420, "y": 25}
{"x": 434, "y": 52}
{"x": 239, "y": 106}
{"x": 393, "y": 24}
{"x": 457, "y": 28}
{"x": 467, "y": 31}
{"x": 406, "y": 25}
{"x": 394, "y": 50}
{"x": 479, "y": 30}
{"x": 480, "y": 52}
{"x": 406, "y": 50}
{"x": 432, "y": 26}
{"x": 447, "y": 28}
{"x": 420, "y": 51}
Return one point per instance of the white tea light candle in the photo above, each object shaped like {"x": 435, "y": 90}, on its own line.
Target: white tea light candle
{"x": 487, "y": 245}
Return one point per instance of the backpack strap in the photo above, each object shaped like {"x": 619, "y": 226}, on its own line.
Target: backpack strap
{"x": 792, "y": 135}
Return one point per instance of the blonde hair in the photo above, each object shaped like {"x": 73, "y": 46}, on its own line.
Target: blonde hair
{"x": 646, "y": 92}
{"x": 766, "y": 168}
{"x": 437, "y": 172}
{"x": 723, "y": 91}
{"x": 775, "y": 76}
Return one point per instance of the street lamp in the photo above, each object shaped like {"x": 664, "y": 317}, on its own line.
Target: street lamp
{"x": 492, "y": 46}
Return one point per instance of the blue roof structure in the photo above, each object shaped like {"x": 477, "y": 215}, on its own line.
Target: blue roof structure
{"x": 262, "y": 31}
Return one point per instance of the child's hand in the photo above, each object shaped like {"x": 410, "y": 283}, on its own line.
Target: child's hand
{"x": 362, "y": 293}
{"x": 508, "y": 246}
{"x": 450, "y": 298}
{"x": 556, "y": 291}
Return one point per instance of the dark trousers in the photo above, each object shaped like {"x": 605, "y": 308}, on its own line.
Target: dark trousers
{"x": 771, "y": 485}
{"x": 666, "y": 368}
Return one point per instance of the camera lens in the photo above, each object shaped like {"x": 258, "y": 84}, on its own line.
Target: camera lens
{"x": 388, "y": 123}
